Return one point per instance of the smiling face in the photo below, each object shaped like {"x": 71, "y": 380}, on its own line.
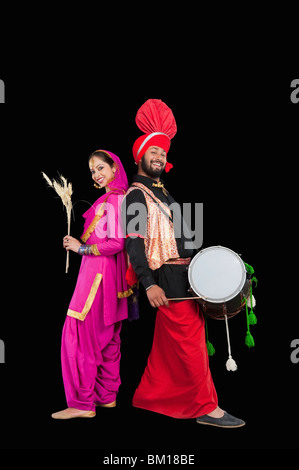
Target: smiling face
{"x": 101, "y": 172}
{"x": 153, "y": 162}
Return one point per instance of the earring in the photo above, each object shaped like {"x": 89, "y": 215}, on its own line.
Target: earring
{"x": 97, "y": 186}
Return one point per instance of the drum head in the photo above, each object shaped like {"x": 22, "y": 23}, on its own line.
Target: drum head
{"x": 217, "y": 273}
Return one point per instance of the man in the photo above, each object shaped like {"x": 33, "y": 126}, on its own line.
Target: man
{"x": 177, "y": 381}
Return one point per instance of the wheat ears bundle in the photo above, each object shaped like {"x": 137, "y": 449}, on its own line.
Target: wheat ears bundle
{"x": 64, "y": 191}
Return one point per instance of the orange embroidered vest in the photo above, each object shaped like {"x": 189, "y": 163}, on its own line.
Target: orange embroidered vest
{"x": 160, "y": 243}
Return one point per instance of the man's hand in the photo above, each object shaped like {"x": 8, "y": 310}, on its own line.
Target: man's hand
{"x": 156, "y": 296}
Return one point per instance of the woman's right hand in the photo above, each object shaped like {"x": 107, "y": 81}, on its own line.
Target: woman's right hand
{"x": 71, "y": 243}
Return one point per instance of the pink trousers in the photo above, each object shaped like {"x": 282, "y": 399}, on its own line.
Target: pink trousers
{"x": 90, "y": 361}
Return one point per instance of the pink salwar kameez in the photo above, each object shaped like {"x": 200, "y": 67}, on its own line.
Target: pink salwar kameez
{"x": 90, "y": 349}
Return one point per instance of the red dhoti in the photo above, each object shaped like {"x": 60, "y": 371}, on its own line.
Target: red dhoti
{"x": 177, "y": 381}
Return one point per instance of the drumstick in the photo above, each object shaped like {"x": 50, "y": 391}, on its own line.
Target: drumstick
{"x": 185, "y": 298}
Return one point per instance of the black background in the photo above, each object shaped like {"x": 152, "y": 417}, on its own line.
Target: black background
{"x": 235, "y": 151}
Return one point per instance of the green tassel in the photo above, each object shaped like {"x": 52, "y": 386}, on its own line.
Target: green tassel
{"x": 210, "y": 348}
{"x": 252, "y": 318}
{"x": 249, "y": 268}
{"x": 249, "y": 341}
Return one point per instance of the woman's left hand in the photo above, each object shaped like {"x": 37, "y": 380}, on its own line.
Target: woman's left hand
{"x": 71, "y": 243}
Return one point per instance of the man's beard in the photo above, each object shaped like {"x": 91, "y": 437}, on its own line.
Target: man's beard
{"x": 151, "y": 172}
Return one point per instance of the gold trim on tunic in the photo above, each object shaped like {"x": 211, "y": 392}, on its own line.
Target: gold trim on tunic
{"x": 94, "y": 250}
{"x": 92, "y": 293}
{"x": 94, "y": 222}
{"x": 128, "y": 292}
{"x": 96, "y": 219}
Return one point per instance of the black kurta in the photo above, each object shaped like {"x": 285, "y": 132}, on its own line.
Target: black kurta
{"x": 173, "y": 279}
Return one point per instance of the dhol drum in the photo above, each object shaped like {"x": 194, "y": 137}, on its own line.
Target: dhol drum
{"x": 219, "y": 277}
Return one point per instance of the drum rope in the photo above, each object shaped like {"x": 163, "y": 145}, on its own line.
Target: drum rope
{"x": 230, "y": 363}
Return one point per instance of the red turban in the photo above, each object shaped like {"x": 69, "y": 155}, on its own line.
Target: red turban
{"x": 156, "y": 119}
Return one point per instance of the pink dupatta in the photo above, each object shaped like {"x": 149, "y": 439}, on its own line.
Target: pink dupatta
{"x": 118, "y": 185}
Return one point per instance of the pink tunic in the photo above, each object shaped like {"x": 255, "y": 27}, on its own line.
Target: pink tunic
{"x": 90, "y": 347}
{"x": 104, "y": 272}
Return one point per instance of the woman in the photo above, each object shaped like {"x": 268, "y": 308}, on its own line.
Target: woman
{"x": 90, "y": 350}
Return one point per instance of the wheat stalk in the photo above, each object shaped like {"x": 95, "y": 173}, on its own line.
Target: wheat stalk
{"x": 64, "y": 191}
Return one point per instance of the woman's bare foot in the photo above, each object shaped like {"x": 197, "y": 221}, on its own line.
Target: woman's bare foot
{"x": 70, "y": 413}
